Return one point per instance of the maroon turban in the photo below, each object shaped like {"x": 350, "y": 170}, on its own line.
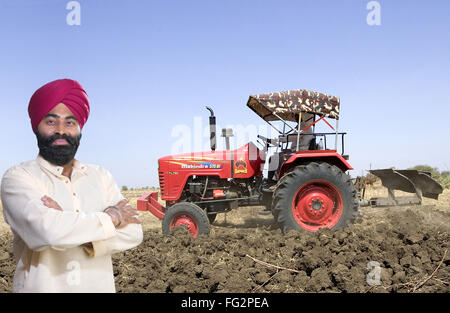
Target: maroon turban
{"x": 67, "y": 91}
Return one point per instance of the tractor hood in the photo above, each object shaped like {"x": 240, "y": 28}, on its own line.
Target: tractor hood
{"x": 245, "y": 162}
{"x": 199, "y": 160}
{"x": 229, "y": 163}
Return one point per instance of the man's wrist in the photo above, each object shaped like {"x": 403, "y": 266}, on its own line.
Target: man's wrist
{"x": 114, "y": 213}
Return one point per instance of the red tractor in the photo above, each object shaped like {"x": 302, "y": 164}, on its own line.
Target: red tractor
{"x": 306, "y": 186}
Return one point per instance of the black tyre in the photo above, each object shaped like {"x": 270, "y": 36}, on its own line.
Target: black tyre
{"x": 314, "y": 196}
{"x": 189, "y": 215}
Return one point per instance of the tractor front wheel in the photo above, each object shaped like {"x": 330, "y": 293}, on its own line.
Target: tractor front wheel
{"x": 186, "y": 214}
{"x": 314, "y": 196}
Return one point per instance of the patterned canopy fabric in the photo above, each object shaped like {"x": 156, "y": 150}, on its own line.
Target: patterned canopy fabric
{"x": 288, "y": 104}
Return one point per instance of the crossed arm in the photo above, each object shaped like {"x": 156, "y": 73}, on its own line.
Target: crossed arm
{"x": 121, "y": 214}
{"x": 41, "y": 223}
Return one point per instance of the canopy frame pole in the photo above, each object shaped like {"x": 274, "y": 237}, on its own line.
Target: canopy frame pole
{"x": 337, "y": 134}
{"x": 273, "y": 127}
{"x": 298, "y": 131}
{"x": 313, "y": 124}
{"x": 284, "y": 121}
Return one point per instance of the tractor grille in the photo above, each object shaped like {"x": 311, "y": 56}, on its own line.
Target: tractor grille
{"x": 161, "y": 182}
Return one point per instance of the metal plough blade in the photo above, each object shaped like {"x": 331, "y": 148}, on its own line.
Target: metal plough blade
{"x": 412, "y": 181}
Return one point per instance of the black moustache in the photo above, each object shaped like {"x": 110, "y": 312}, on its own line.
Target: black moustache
{"x": 72, "y": 141}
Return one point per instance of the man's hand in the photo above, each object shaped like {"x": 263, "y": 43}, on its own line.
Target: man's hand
{"x": 50, "y": 203}
{"x": 123, "y": 214}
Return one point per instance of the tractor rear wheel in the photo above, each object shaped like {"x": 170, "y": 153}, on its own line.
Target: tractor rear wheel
{"x": 314, "y": 196}
{"x": 186, "y": 214}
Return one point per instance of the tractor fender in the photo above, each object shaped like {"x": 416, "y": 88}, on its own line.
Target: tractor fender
{"x": 327, "y": 156}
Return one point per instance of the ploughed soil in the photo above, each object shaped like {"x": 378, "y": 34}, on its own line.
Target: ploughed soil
{"x": 411, "y": 256}
{"x": 394, "y": 249}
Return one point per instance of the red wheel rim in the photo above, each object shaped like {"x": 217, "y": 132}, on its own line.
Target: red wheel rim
{"x": 188, "y": 221}
{"x": 317, "y": 204}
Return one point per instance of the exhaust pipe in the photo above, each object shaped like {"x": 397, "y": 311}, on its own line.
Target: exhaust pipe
{"x": 212, "y": 129}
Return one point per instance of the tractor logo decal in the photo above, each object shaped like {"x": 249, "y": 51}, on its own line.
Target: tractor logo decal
{"x": 240, "y": 167}
{"x": 198, "y": 165}
{"x": 190, "y": 159}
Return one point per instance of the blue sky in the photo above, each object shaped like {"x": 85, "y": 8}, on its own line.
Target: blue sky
{"x": 148, "y": 66}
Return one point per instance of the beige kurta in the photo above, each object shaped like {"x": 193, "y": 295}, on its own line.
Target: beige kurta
{"x": 47, "y": 242}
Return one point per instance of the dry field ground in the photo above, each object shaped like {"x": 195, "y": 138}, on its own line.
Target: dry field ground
{"x": 409, "y": 243}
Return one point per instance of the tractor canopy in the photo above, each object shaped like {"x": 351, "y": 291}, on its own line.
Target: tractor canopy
{"x": 287, "y": 105}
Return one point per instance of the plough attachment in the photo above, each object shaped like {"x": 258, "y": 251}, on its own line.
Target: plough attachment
{"x": 412, "y": 181}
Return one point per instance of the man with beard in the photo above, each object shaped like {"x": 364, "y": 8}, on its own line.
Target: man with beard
{"x": 67, "y": 217}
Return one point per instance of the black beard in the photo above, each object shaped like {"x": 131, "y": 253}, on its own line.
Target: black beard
{"x": 58, "y": 155}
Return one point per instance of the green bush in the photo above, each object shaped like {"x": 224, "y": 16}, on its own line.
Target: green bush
{"x": 442, "y": 178}
{"x": 444, "y": 181}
